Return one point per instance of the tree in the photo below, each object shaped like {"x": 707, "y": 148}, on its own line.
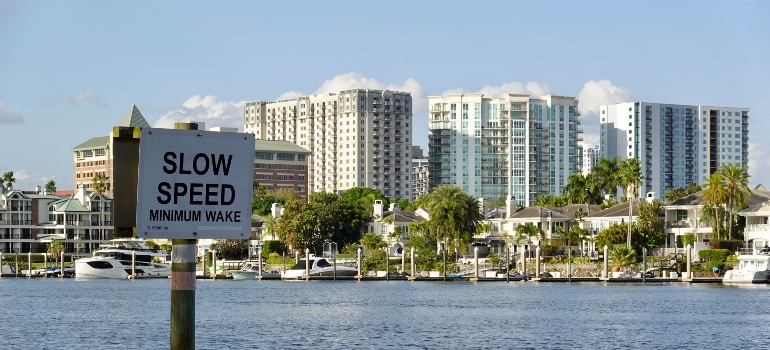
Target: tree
{"x": 50, "y": 186}
{"x": 737, "y": 188}
{"x": 715, "y": 194}
{"x": 372, "y": 241}
{"x": 623, "y": 256}
{"x": 576, "y": 234}
{"x": 650, "y": 226}
{"x": 676, "y": 193}
{"x": 448, "y": 207}
{"x": 268, "y": 225}
{"x": 101, "y": 184}
{"x": 615, "y": 233}
{"x": 548, "y": 201}
{"x": 230, "y": 249}
{"x": 631, "y": 178}
{"x": 581, "y": 190}
{"x": 607, "y": 175}
{"x": 55, "y": 248}
{"x": 8, "y": 179}
{"x": 529, "y": 230}
{"x": 608, "y": 203}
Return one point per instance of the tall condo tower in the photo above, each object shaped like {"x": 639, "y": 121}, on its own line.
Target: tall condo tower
{"x": 676, "y": 144}
{"x": 357, "y": 137}
{"x": 493, "y": 147}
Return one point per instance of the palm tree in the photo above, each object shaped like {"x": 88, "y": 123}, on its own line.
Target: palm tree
{"x": 529, "y": 230}
{"x": 715, "y": 194}
{"x": 575, "y": 189}
{"x": 607, "y": 175}
{"x": 623, "y": 256}
{"x": 8, "y": 179}
{"x": 268, "y": 225}
{"x": 101, "y": 184}
{"x": 55, "y": 248}
{"x": 737, "y": 187}
{"x": 631, "y": 178}
{"x": 50, "y": 186}
{"x": 448, "y": 210}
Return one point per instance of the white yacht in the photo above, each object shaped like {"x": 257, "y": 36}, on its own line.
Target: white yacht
{"x": 318, "y": 267}
{"x": 114, "y": 261}
{"x": 250, "y": 271}
{"x": 752, "y": 268}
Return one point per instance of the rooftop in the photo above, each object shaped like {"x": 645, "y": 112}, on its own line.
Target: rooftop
{"x": 278, "y": 146}
{"x": 94, "y": 142}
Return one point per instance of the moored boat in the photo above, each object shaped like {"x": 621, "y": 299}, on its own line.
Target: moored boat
{"x": 115, "y": 261}
{"x": 250, "y": 271}
{"x": 752, "y": 268}
{"x": 318, "y": 267}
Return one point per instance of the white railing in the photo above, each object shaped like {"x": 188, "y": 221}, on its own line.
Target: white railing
{"x": 758, "y": 227}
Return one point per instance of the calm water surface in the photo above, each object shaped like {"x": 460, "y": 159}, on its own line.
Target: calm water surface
{"x": 105, "y": 314}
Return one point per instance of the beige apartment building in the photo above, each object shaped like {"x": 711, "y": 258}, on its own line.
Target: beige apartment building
{"x": 356, "y": 138}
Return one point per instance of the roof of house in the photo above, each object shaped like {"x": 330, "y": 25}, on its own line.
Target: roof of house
{"x": 402, "y": 216}
{"x": 9, "y": 193}
{"x": 94, "y": 142}
{"x": 69, "y": 205}
{"x": 134, "y": 118}
{"x": 278, "y": 146}
{"x": 538, "y": 212}
{"x": 618, "y": 210}
{"x": 758, "y": 195}
{"x": 571, "y": 209}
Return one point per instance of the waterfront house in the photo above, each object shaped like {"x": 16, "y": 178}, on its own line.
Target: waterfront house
{"x": 684, "y": 215}
{"x": 393, "y": 224}
{"x": 505, "y": 221}
{"x": 81, "y": 220}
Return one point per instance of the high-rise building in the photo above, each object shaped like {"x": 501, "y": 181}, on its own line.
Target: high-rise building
{"x": 420, "y": 183}
{"x": 676, "y": 144}
{"x": 590, "y": 155}
{"x": 511, "y": 145}
{"x": 357, "y": 138}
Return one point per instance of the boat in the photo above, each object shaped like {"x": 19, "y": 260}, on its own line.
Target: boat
{"x": 318, "y": 267}
{"x": 752, "y": 268}
{"x": 7, "y": 270}
{"x": 250, "y": 271}
{"x": 114, "y": 261}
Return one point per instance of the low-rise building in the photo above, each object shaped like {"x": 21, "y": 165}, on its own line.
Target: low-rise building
{"x": 281, "y": 164}
{"x": 81, "y": 221}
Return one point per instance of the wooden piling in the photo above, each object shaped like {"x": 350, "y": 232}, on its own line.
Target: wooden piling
{"x": 183, "y": 294}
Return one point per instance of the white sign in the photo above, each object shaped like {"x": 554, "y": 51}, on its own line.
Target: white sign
{"x": 194, "y": 184}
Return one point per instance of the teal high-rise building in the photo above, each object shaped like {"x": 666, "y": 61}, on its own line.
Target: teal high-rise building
{"x": 493, "y": 147}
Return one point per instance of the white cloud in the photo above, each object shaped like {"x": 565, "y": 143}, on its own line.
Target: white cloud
{"x": 602, "y": 92}
{"x": 354, "y": 80}
{"x": 590, "y": 139}
{"x": 9, "y": 116}
{"x": 535, "y": 88}
{"x": 82, "y": 97}
{"x": 21, "y": 175}
{"x": 204, "y": 109}
{"x": 289, "y": 95}
{"x": 759, "y": 165}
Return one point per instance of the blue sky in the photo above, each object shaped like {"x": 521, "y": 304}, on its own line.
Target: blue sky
{"x": 69, "y": 71}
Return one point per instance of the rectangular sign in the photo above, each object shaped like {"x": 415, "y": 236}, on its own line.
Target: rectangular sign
{"x": 194, "y": 184}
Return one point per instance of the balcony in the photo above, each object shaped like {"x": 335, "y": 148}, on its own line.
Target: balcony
{"x": 758, "y": 227}
{"x": 678, "y": 224}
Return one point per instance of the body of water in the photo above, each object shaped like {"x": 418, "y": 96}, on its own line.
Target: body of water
{"x": 103, "y": 314}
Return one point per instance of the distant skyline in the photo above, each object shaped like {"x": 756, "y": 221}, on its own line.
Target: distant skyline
{"x": 70, "y": 71}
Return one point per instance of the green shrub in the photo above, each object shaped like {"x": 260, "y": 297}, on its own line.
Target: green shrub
{"x": 550, "y": 249}
{"x": 554, "y": 261}
{"x": 273, "y": 247}
{"x": 714, "y": 255}
{"x": 731, "y": 245}
{"x": 710, "y": 266}
{"x": 732, "y": 258}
